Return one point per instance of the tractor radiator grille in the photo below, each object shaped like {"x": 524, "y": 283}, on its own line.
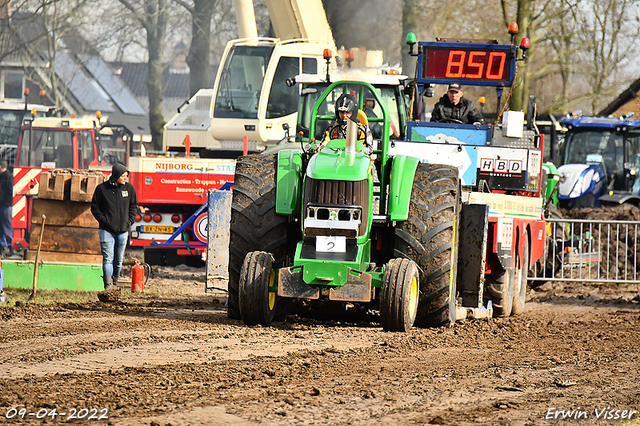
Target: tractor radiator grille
{"x": 339, "y": 192}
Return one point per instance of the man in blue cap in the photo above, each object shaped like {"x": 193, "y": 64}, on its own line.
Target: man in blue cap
{"x": 114, "y": 205}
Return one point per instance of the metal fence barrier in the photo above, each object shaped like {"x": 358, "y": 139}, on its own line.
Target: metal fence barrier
{"x": 590, "y": 251}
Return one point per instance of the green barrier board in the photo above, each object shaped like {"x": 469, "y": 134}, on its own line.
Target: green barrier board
{"x": 53, "y": 275}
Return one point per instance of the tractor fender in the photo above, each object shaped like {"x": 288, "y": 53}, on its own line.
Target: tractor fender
{"x": 620, "y": 198}
{"x": 403, "y": 170}
{"x": 288, "y": 181}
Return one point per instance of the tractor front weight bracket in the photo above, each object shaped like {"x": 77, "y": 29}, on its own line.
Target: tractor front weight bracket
{"x": 358, "y": 287}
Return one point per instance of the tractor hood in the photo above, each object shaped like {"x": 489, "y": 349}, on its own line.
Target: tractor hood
{"x": 577, "y": 180}
{"x": 333, "y": 163}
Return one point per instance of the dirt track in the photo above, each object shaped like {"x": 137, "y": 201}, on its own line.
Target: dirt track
{"x": 171, "y": 356}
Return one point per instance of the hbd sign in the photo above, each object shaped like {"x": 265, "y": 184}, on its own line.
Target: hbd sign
{"x": 502, "y": 166}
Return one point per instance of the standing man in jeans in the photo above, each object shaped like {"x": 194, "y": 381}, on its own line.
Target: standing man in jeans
{"x": 114, "y": 205}
{"x": 6, "y": 202}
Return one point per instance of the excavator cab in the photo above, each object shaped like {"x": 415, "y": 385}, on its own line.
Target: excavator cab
{"x": 250, "y": 96}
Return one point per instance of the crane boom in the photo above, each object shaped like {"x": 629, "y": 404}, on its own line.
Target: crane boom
{"x": 304, "y": 19}
{"x": 246, "y": 18}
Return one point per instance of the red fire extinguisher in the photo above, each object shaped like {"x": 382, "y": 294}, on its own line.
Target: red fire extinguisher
{"x": 137, "y": 276}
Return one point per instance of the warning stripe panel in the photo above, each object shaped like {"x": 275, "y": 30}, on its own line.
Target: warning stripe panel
{"x": 23, "y": 178}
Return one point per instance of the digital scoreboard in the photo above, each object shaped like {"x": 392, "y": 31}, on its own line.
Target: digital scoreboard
{"x": 467, "y": 63}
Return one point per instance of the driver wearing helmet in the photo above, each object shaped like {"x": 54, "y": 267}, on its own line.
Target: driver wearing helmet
{"x": 453, "y": 107}
{"x": 347, "y": 109}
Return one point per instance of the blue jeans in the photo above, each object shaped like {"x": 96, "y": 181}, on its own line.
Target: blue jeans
{"x": 112, "y": 246}
{"x": 6, "y": 231}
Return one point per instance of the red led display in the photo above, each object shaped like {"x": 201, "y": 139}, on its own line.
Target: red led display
{"x": 467, "y": 64}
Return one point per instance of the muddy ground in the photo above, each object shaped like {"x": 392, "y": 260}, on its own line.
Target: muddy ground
{"x": 170, "y": 356}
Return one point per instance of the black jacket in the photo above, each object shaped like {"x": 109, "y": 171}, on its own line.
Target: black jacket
{"x": 114, "y": 207}
{"x": 6, "y": 189}
{"x": 464, "y": 111}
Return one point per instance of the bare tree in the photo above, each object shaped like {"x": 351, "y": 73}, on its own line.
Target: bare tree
{"x": 577, "y": 47}
{"x": 39, "y": 31}
{"x": 199, "y": 57}
{"x": 225, "y": 27}
{"x": 560, "y": 40}
{"x": 610, "y": 29}
{"x": 551, "y": 28}
{"x": 152, "y": 15}
{"x": 409, "y": 25}
{"x": 531, "y": 17}
{"x": 119, "y": 35}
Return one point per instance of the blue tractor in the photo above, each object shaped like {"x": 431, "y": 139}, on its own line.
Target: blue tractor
{"x": 599, "y": 162}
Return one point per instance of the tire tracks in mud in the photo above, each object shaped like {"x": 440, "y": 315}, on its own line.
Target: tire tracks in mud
{"x": 180, "y": 364}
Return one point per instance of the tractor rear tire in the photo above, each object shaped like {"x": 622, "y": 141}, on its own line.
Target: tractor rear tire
{"x": 255, "y": 226}
{"x": 520, "y": 281}
{"x": 499, "y": 289}
{"x": 257, "y": 305}
{"x": 429, "y": 237}
{"x": 399, "y": 298}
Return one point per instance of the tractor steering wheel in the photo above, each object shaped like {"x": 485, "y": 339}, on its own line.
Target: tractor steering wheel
{"x": 451, "y": 120}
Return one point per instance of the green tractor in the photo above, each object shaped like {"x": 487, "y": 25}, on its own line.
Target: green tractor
{"x": 442, "y": 222}
{"x": 338, "y": 227}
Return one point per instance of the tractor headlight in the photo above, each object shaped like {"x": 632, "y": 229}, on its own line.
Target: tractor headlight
{"x": 328, "y": 219}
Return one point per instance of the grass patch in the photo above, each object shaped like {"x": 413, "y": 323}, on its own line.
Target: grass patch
{"x": 49, "y": 297}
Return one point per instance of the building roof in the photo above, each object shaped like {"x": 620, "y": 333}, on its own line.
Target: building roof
{"x": 625, "y": 103}
{"x": 134, "y": 74}
{"x": 87, "y": 82}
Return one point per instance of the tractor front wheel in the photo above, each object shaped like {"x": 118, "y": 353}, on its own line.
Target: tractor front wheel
{"x": 255, "y": 225}
{"x": 400, "y": 294}
{"x": 429, "y": 237}
{"x": 257, "y": 304}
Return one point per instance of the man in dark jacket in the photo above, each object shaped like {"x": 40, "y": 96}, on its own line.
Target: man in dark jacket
{"x": 114, "y": 205}
{"x": 453, "y": 107}
{"x": 6, "y": 201}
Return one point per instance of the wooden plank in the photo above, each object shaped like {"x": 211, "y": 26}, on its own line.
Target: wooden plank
{"x": 65, "y": 239}
{"x": 47, "y": 256}
{"x": 63, "y": 213}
